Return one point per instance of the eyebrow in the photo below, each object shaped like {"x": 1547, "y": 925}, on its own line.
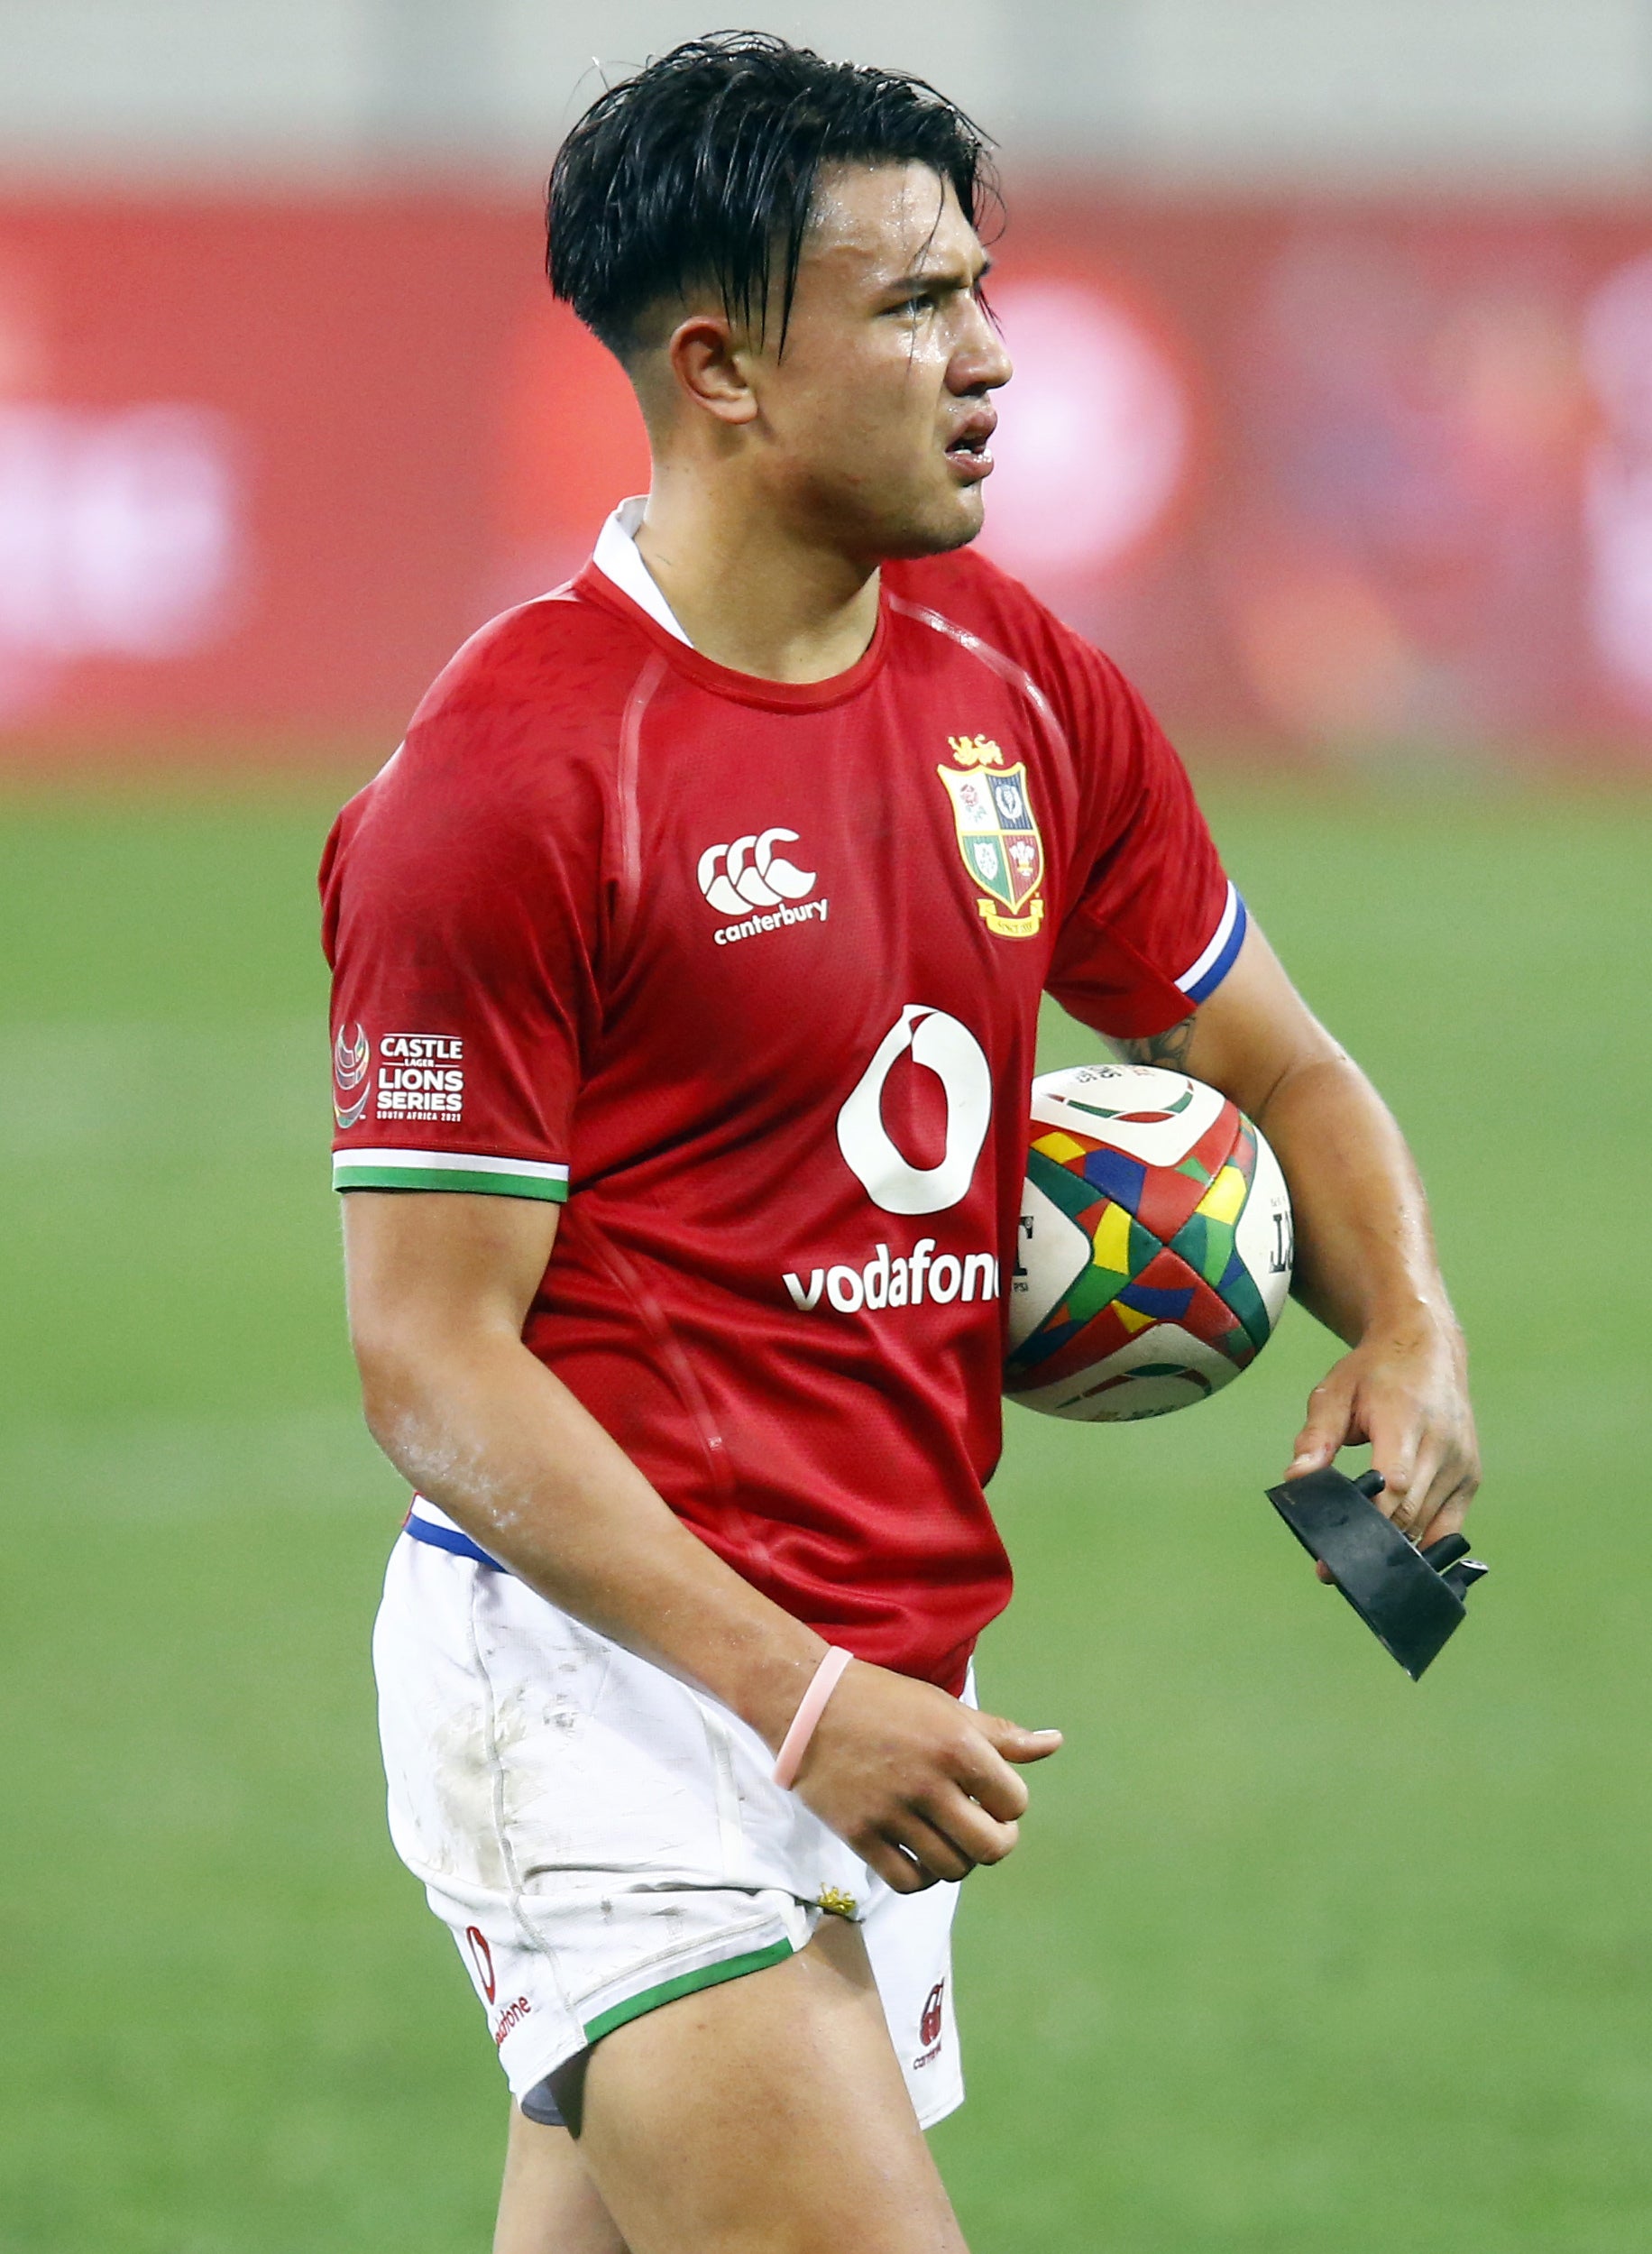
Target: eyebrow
{"x": 926, "y": 277}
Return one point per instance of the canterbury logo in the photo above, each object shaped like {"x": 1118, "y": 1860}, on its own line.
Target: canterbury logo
{"x": 749, "y": 874}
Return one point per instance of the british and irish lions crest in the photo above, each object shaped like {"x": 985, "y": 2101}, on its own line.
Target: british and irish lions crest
{"x": 996, "y": 835}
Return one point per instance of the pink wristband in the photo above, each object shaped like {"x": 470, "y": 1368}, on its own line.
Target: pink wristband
{"x": 807, "y": 1720}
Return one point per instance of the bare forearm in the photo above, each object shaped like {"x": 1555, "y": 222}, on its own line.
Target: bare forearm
{"x": 1365, "y": 1263}
{"x": 1365, "y": 1255}
{"x": 497, "y": 1442}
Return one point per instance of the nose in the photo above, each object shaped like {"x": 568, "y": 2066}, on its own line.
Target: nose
{"x": 982, "y": 361}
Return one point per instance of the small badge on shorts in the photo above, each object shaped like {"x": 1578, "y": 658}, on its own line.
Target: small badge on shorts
{"x": 928, "y": 2026}
{"x": 836, "y": 1903}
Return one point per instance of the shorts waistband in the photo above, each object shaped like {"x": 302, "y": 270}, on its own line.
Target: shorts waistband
{"x": 441, "y": 1535}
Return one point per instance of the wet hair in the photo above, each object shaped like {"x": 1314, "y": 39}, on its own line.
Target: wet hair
{"x": 702, "y": 171}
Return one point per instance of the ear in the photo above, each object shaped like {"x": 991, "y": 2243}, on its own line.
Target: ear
{"x": 711, "y": 368}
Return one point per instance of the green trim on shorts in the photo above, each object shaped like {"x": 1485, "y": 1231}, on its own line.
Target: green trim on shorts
{"x": 686, "y": 1984}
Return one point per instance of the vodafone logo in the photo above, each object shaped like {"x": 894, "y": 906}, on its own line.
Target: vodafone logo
{"x": 952, "y": 1052}
{"x": 482, "y": 1957}
{"x": 889, "y": 1280}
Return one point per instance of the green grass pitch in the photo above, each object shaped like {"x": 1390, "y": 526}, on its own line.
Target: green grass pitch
{"x": 1295, "y": 1958}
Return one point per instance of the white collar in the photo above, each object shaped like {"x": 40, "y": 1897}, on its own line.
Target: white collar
{"x": 618, "y": 558}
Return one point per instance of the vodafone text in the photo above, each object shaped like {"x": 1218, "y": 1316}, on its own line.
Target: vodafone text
{"x": 896, "y": 1281}
{"x": 511, "y": 2016}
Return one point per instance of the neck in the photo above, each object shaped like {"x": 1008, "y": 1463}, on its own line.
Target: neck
{"x": 747, "y": 589}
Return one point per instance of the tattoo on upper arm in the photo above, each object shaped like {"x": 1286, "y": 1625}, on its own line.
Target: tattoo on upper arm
{"x": 1168, "y": 1048}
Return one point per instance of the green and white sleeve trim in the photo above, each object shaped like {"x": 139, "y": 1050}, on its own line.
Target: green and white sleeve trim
{"x": 450, "y": 1170}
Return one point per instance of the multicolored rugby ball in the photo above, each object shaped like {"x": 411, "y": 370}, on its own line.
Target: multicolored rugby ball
{"x": 1154, "y": 1257}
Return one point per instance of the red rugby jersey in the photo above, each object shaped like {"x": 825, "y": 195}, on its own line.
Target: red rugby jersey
{"x": 748, "y": 974}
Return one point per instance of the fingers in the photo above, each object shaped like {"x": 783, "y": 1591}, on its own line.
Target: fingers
{"x": 1020, "y": 1746}
{"x": 1424, "y": 1465}
{"x": 1329, "y": 1426}
{"x": 1408, "y": 1398}
{"x": 982, "y": 1763}
{"x": 1449, "y": 1493}
{"x": 1449, "y": 1516}
{"x": 935, "y": 1852}
{"x": 1448, "y": 1520}
{"x": 974, "y": 1818}
{"x": 932, "y": 1841}
{"x": 1408, "y": 1464}
{"x": 966, "y": 1819}
{"x": 899, "y": 1870}
{"x": 922, "y": 1787}
{"x": 951, "y": 1846}
{"x": 963, "y": 1821}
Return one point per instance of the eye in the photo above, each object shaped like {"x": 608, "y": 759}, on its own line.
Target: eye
{"x": 910, "y": 307}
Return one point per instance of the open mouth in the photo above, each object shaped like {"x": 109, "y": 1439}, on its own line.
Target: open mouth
{"x": 969, "y": 450}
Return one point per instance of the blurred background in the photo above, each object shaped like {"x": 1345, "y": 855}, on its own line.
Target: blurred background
{"x": 1334, "y": 326}
{"x": 1334, "y": 423}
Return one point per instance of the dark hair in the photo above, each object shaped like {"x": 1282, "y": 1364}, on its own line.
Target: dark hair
{"x": 702, "y": 169}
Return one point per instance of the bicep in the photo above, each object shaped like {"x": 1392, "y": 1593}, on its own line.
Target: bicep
{"x": 422, "y": 1267}
{"x": 1246, "y": 1037}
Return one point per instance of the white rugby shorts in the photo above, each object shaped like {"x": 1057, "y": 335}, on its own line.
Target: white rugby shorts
{"x": 600, "y": 1839}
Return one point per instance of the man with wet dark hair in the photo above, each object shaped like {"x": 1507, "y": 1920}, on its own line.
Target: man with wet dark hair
{"x": 704, "y": 167}
{"x": 687, "y": 963}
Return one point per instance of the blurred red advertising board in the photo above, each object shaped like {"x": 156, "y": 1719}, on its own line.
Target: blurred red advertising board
{"x": 1336, "y": 474}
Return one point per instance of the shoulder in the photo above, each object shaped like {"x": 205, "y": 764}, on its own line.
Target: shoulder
{"x": 534, "y": 701}
{"x": 558, "y": 664}
{"x": 512, "y": 753}
{"x": 971, "y": 595}
{"x": 969, "y": 592}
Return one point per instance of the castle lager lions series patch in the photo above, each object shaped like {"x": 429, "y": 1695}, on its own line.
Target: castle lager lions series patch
{"x": 997, "y": 836}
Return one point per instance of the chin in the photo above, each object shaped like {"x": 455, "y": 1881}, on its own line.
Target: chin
{"x": 935, "y": 530}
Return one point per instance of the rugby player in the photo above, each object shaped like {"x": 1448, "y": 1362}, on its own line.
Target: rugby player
{"x": 683, "y": 1021}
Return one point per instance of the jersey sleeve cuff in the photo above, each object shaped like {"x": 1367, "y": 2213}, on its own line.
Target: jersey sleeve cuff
{"x": 450, "y": 1170}
{"x": 1219, "y": 957}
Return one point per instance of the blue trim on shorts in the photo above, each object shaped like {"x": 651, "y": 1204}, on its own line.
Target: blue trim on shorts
{"x": 449, "y": 1538}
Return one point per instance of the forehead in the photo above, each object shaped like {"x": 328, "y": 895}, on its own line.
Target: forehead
{"x": 872, "y": 220}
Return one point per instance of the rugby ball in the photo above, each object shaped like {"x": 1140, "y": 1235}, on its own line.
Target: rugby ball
{"x": 1155, "y": 1250}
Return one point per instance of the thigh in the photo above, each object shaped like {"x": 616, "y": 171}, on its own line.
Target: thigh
{"x": 548, "y": 2204}
{"x": 766, "y": 2116}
